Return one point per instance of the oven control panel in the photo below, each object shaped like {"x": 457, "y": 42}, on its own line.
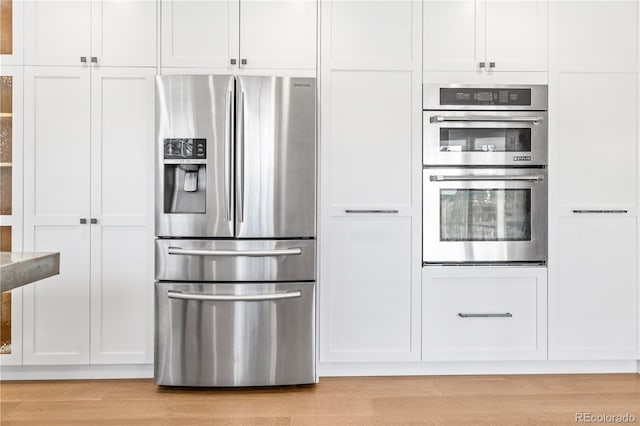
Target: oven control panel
{"x": 185, "y": 149}
{"x": 485, "y": 96}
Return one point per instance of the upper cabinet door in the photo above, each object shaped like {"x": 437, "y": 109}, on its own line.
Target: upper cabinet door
{"x": 450, "y": 34}
{"x": 57, "y": 32}
{"x": 123, "y": 33}
{"x": 595, "y": 36}
{"x": 200, "y": 33}
{"x": 278, "y": 34}
{"x": 516, "y": 35}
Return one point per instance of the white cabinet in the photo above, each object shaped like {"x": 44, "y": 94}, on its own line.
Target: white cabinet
{"x": 366, "y": 300}
{"x": 107, "y": 32}
{"x": 484, "y": 313}
{"x": 239, "y": 34}
{"x": 370, "y": 170}
{"x": 485, "y": 35}
{"x": 590, "y": 36}
{"x": 57, "y": 131}
{"x": 88, "y": 156}
{"x": 593, "y": 297}
{"x": 122, "y": 112}
{"x": 593, "y": 181}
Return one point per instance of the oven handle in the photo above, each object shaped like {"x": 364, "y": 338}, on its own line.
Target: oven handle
{"x": 527, "y": 178}
{"x": 251, "y": 253}
{"x": 443, "y": 118}
{"x": 172, "y": 294}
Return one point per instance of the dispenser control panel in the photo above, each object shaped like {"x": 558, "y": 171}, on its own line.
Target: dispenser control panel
{"x": 185, "y": 149}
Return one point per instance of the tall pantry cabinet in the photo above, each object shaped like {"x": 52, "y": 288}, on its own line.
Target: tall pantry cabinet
{"x": 89, "y": 108}
{"x": 593, "y": 180}
{"x": 370, "y": 201}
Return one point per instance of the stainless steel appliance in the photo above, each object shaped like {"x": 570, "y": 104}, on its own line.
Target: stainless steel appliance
{"x": 484, "y": 175}
{"x": 235, "y": 227}
{"x": 484, "y": 126}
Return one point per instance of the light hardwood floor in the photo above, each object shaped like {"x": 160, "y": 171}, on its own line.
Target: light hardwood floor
{"x": 430, "y": 400}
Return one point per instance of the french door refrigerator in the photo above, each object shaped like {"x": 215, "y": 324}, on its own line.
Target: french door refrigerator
{"x": 235, "y": 228}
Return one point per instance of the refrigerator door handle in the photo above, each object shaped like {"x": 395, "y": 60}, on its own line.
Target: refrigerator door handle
{"x": 229, "y": 152}
{"x": 172, "y": 294}
{"x": 250, "y": 253}
{"x": 240, "y": 160}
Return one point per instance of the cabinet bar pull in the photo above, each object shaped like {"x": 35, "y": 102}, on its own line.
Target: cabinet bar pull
{"x": 600, "y": 211}
{"x": 94, "y": 220}
{"x": 481, "y": 65}
{"x": 485, "y": 118}
{"x": 83, "y": 221}
{"x": 94, "y": 59}
{"x": 232, "y": 297}
{"x": 505, "y": 315}
{"x": 349, "y": 211}
{"x": 250, "y": 253}
{"x": 492, "y": 64}
{"x": 83, "y": 59}
{"x": 441, "y": 178}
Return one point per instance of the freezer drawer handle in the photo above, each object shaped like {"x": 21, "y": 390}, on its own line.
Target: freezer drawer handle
{"x": 251, "y": 253}
{"x": 505, "y": 315}
{"x": 441, "y": 178}
{"x": 488, "y": 118}
{"x": 233, "y": 297}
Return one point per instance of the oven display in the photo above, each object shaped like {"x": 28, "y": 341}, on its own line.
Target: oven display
{"x": 185, "y": 148}
{"x": 479, "y": 96}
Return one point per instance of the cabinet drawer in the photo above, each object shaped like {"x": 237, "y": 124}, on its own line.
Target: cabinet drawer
{"x": 472, "y": 313}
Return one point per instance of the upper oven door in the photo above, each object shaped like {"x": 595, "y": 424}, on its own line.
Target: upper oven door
{"x": 484, "y": 215}
{"x": 484, "y": 138}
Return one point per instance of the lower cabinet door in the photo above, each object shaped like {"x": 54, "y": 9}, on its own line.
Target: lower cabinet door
{"x": 484, "y": 313}
{"x": 234, "y": 334}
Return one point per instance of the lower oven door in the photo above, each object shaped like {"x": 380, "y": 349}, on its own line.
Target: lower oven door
{"x": 475, "y": 215}
{"x": 234, "y": 334}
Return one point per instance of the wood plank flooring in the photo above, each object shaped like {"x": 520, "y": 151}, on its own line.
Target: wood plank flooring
{"x": 427, "y": 400}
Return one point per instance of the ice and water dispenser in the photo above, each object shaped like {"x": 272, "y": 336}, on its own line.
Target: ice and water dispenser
{"x": 185, "y": 175}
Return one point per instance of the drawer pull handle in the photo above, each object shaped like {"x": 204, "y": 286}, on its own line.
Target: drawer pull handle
{"x": 505, "y": 315}
{"x": 462, "y": 178}
{"x": 350, "y": 211}
{"x": 250, "y": 253}
{"x": 600, "y": 211}
{"x": 172, "y": 294}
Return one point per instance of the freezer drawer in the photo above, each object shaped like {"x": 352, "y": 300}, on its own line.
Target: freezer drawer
{"x": 234, "y": 260}
{"x": 234, "y": 334}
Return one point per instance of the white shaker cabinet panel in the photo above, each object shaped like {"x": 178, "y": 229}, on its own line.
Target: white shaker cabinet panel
{"x": 450, "y": 29}
{"x": 278, "y": 34}
{"x": 56, "y": 170}
{"x": 121, "y": 203}
{"x": 200, "y": 33}
{"x": 516, "y": 35}
{"x": 370, "y": 34}
{"x": 123, "y": 32}
{"x": 485, "y": 35}
{"x": 593, "y": 300}
{"x": 57, "y": 32}
{"x": 595, "y": 35}
{"x": 367, "y": 309}
{"x": 56, "y": 309}
{"x": 473, "y": 313}
{"x": 370, "y": 139}
{"x": 593, "y": 150}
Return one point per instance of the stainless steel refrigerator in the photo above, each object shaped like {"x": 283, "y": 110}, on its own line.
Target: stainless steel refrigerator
{"x": 235, "y": 228}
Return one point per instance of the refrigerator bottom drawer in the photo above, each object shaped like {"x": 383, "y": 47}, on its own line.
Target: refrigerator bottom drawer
{"x": 234, "y": 334}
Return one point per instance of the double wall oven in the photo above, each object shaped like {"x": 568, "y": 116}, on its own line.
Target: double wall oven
{"x": 484, "y": 174}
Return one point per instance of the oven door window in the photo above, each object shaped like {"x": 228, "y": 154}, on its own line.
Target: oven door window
{"x": 485, "y": 140}
{"x": 485, "y": 214}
